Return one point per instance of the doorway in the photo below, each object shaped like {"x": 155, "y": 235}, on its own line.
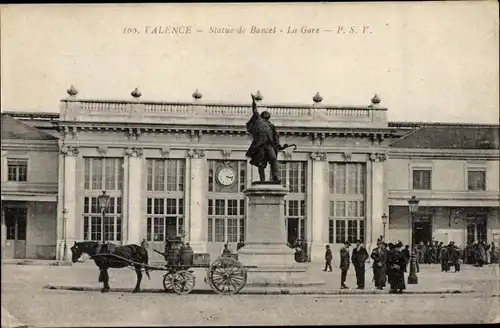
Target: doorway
{"x": 476, "y": 229}
{"x": 422, "y": 232}
{"x": 171, "y": 227}
{"x": 15, "y": 224}
{"x": 292, "y": 230}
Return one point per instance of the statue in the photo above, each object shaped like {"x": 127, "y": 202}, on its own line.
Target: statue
{"x": 265, "y": 145}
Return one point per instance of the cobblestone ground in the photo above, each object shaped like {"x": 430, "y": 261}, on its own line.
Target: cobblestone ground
{"x": 26, "y": 299}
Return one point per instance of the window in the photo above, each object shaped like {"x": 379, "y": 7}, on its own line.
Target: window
{"x": 226, "y": 203}
{"x": 422, "y": 179}
{"x": 293, "y": 175}
{"x": 103, "y": 174}
{"x": 17, "y": 170}
{"x": 165, "y": 198}
{"x": 226, "y": 220}
{"x": 476, "y": 180}
{"x": 347, "y": 202}
{"x": 165, "y": 218}
{"x": 93, "y": 225}
{"x": 166, "y": 175}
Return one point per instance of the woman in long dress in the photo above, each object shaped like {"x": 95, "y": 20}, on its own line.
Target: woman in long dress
{"x": 396, "y": 264}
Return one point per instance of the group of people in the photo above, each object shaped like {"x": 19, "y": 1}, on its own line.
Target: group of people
{"x": 389, "y": 264}
{"x": 480, "y": 253}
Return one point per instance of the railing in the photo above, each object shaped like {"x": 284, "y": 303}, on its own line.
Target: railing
{"x": 79, "y": 109}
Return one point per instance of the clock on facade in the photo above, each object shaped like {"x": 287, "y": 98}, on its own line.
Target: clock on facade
{"x": 226, "y": 176}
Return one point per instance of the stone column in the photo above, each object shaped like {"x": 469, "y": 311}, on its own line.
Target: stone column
{"x": 70, "y": 155}
{"x": 135, "y": 215}
{"x": 4, "y": 228}
{"x": 198, "y": 224}
{"x": 319, "y": 204}
{"x": 377, "y": 199}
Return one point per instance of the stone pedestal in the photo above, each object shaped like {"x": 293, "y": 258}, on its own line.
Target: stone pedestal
{"x": 265, "y": 245}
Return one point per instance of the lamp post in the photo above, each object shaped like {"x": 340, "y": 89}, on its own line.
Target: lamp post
{"x": 103, "y": 204}
{"x": 384, "y": 222}
{"x": 413, "y": 208}
{"x": 65, "y": 234}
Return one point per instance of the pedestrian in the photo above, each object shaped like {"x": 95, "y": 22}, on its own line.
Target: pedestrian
{"x": 226, "y": 251}
{"x": 445, "y": 267}
{"x": 493, "y": 254}
{"x": 358, "y": 259}
{"x": 344, "y": 264}
{"x": 416, "y": 254}
{"x": 396, "y": 263}
{"x": 406, "y": 254}
{"x": 379, "y": 257}
{"x": 328, "y": 258}
{"x": 481, "y": 255}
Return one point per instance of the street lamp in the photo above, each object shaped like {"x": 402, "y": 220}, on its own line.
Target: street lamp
{"x": 413, "y": 208}
{"x": 384, "y": 222}
{"x": 103, "y": 204}
{"x": 65, "y": 233}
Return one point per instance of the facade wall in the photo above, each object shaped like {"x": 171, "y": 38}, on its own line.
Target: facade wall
{"x": 41, "y": 230}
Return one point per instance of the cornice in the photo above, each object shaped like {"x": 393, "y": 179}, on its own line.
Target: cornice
{"x": 412, "y": 153}
{"x": 199, "y": 129}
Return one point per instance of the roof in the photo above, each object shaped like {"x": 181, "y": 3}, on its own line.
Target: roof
{"x": 451, "y": 137}
{"x": 15, "y": 129}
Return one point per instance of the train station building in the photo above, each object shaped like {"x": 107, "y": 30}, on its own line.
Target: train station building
{"x": 172, "y": 167}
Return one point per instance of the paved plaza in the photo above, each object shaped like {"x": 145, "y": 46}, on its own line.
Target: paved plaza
{"x": 470, "y": 296}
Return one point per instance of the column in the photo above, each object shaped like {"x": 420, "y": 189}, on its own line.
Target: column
{"x": 377, "y": 199}
{"x": 319, "y": 201}
{"x": 70, "y": 155}
{"x": 198, "y": 201}
{"x": 135, "y": 215}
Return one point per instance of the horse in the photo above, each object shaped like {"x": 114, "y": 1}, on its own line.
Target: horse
{"x": 131, "y": 252}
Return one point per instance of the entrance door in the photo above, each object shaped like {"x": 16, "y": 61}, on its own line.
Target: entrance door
{"x": 422, "y": 231}
{"x": 15, "y": 223}
{"x": 476, "y": 229}
{"x": 171, "y": 227}
{"x": 292, "y": 228}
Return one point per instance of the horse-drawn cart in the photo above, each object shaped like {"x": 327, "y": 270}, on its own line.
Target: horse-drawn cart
{"x": 224, "y": 276}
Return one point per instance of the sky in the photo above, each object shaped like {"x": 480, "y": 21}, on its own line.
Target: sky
{"x": 428, "y": 61}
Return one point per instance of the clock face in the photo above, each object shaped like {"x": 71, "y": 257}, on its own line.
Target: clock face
{"x": 226, "y": 176}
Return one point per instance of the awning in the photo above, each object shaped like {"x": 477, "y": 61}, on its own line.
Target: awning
{"x": 30, "y": 198}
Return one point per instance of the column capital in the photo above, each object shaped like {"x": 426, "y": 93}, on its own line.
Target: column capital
{"x": 378, "y": 157}
{"x": 134, "y": 152}
{"x": 196, "y": 153}
{"x": 318, "y": 156}
{"x": 69, "y": 150}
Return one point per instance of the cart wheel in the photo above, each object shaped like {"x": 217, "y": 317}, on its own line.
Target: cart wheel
{"x": 183, "y": 282}
{"x": 168, "y": 281}
{"x": 226, "y": 276}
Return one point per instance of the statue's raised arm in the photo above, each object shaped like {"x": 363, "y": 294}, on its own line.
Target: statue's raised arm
{"x": 254, "y": 105}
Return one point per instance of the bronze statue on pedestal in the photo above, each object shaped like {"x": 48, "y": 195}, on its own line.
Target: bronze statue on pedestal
{"x": 265, "y": 145}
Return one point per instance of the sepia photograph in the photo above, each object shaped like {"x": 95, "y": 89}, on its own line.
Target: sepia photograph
{"x": 239, "y": 164}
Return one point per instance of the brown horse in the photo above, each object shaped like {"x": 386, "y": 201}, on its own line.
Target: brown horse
{"x": 134, "y": 253}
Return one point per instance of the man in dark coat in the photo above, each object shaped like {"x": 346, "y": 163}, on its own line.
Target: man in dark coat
{"x": 265, "y": 145}
{"x": 358, "y": 259}
{"x": 344, "y": 264}
{"x": 379, "y": 257}
{"x": 445, "y": 266}
{"x": 328, "y": 258}
{"x": 396, "y": 264}
{"x": 406, "y": 254}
